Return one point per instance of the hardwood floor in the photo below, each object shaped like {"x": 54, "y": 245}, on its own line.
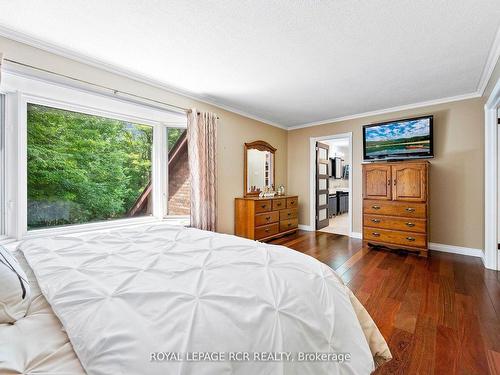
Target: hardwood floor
{"x": 439, "y": 315}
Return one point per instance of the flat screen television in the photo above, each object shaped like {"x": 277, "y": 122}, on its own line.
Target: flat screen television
{"x": 401, "y": 139}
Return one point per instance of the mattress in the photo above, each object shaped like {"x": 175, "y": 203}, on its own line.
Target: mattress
{"x": 125, "y": 296}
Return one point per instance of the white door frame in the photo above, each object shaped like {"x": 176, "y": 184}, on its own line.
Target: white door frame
{"x": 312, "y": 178}
{"x": 491, "y": 253}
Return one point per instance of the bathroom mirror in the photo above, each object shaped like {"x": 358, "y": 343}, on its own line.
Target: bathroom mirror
{"x": 258, "y": 167}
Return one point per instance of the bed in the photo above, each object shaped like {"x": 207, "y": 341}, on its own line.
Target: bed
{"x": 163, "y": 299}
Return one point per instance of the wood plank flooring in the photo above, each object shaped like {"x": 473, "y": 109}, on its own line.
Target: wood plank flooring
{"x": 439, "y": 315}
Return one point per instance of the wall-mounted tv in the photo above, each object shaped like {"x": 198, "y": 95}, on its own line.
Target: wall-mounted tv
{"x": 401, "y": 139}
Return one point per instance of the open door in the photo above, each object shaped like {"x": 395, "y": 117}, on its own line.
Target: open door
{"x": 322, "y": 162}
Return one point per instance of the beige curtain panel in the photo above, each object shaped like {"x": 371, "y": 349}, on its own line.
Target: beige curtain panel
{"x": 202, "y": 154}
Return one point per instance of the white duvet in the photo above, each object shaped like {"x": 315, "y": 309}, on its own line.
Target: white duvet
{"x": 163, "y": 299}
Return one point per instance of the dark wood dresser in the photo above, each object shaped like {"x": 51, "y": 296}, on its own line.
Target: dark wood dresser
{"x": 395, "y": 205}
{"x": 266, "y": 218}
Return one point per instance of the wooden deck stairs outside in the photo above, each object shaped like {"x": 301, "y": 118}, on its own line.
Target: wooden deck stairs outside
{"x": 141, "y": 203}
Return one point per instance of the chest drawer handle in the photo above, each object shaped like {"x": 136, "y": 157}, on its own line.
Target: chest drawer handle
{"x": 289, "y": 214}
{"x": 410, "y": 224}
{"x": 268, "y": 218}
{"x": 263, "y": 206}
{"x": 411, "y": 239}
{"x": 376, "y": 234}
{"x": 267, "y": 230}
{"x": 289, "y": 224}
{"x": 410, "y": 209}
{"x": 375, "y": 207}
{"x": 278, "y": 204}
{"x": 376, "y": 220}
{"x": 292, "y": 203}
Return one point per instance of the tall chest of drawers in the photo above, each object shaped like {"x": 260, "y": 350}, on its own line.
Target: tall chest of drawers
{"x": 395, "y": 205}
{"x": 266, "y": 218}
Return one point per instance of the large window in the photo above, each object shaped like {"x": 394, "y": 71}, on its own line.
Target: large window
{"x": 79, "y": 160}
{"x": 84, "y": 168}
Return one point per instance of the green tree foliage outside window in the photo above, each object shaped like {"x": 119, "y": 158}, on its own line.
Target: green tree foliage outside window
{"x": 173, "y": 136}
{"x": 84, "y": 168}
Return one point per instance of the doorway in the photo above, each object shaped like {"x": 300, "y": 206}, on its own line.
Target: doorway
{"x": 492, "y": 184}
{"x": 331, "y": 184}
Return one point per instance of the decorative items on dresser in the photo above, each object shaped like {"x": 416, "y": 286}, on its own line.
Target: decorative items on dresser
{"x": 266, "y": 218}
{"x": 395, "y": 205}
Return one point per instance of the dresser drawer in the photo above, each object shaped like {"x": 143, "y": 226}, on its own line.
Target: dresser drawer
{"x": 292, "y": 202}
{"x": 279, "y": 204}
{"x": 262, "y": 206}
{"x": 266, "y": 230}
{"x": 267, "y": 218}
{"x": 288, "y": 224}
{"x": 395, "y": 237}
{"x": 290, "y": 213}
{"x": 404, "y": 209}
{"x": 396, "y": 223}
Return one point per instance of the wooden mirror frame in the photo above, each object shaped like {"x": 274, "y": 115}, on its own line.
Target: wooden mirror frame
{"x": 261, "y": 146}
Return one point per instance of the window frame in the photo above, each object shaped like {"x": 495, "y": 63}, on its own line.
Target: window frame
{"x": 21, "y": 89}
{"x": 3, "y": 206}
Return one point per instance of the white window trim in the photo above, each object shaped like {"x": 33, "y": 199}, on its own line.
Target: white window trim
{"x": 19, "y": 90}
{"x": 2, "y": 170}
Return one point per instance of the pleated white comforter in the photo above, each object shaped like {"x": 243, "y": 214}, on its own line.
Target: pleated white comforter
{"x": 125, "y": 295}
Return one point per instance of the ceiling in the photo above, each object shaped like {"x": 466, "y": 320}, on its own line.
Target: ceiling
{"x": 288, "y": 62}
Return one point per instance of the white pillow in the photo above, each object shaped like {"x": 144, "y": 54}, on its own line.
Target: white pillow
{"x": 15, "y": 292}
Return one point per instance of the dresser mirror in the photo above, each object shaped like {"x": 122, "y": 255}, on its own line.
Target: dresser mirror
{"x": 258, "y": 167}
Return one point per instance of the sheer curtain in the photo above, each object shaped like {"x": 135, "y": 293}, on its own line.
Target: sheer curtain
{"x": 202, "y": 154}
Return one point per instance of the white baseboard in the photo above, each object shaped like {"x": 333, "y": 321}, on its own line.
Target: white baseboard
{"x": 308, "y": 228}
{"x": 432, "y": 245}
{"x": 456, "y": 249}
{"x": 356, "y": 235}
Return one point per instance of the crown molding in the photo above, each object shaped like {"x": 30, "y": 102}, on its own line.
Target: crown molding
{"x": 389, "y": 110}
{"x": 110, "y": 68}
{"x": 32, "y": 41}
{"x": 490, "y": 64}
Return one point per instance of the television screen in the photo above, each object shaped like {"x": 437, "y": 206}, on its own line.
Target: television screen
{"x": 401, "y": 139}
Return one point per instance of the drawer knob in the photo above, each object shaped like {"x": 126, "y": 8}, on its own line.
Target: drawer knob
{"x": 292, "y": 203}
{"x": 410, "y": 209}
{"x": 376, "y": 220}
{"x": 376, "y": 234}
{"x": 268, "y": 218}
{"x": 375, "y": 207}
{"x": 267, "y": 230}
{"x": 263, "y": 206}
{"x": 411, "y": 239}
{"x": 289, "y": 224}
{"x": 410, "y": 224}
{"x": 289, "y": 214}
{"x": 278, "y": 204}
